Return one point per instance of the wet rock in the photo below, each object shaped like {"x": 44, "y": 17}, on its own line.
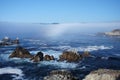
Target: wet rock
{"x": 60, "y": 75}
{"x": 16, "y": 41}
{"x": 86, "y": 54}
{"x": 103, "y": 74}
{"x": 48, "y": 57}
{"x": 38, "y": 57}
{"x": 70, "y": 56}
{"x": 20, "y": 52}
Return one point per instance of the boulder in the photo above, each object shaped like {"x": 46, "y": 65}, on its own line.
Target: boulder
{"x": 20, "y": 52}
{"x": 38, "y": 57}
{"x": 48, "y": 57}
{"x": 60, "y": 75}
{"x": 103, "y": 74}
{"x": 70, "y": 56}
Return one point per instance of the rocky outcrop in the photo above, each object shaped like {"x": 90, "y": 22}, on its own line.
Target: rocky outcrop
{"x": 70, "y": 56}
{"x": 86, "y": 54}
{"x": 60, "y": 75}
{"x": 48, "y": 57}
{"x": 20, "y": 52}
{"x": 115, "y": 32}
{"x": 7, "y": 41}
{"x": 103, "y": 74}
{"x": 38, "y": 57}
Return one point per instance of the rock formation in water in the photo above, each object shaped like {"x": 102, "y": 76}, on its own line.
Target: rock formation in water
{"x": 20, "y": 52}
{"x": 115, "y": 32}
{"x": 48, "y": 57}
{"x": 7, "y": 41}
{"x": 103, "y": 74}
{"x": 70, "y": 56}
{"x": 38, "y": 57}
{"x": 60, "y": 75}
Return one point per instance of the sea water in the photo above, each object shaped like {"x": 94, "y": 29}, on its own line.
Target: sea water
{"x": 105, "y": 51}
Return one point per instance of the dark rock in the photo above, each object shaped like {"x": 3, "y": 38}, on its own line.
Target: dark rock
{"x": 70, "y": 56}
{"x": 20, "y": 52}
{"x": 48, "y": 57}
{"x": 38, "y": 57}
{"x": 60, "y": 75}
{"x": 103, "y": 74}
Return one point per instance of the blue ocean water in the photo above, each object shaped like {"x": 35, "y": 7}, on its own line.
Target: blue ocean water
{"x": 105, "y": 51}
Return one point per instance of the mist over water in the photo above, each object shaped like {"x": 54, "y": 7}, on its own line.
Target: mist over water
{"x": 47, "y": 30}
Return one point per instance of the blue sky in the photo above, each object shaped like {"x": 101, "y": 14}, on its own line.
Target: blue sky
{"x": 61, "y": 11}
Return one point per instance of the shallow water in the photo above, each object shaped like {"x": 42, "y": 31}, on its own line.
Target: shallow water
{"x": 105, "y": 51}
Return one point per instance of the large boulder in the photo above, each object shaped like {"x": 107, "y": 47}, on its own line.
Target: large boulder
{"x": 48, "y": 57}
{"x": 60, "y": 75}
{"x": 103, "y": 74}
{"x": 20, "y": 52}
{"x": 38, "y": 57}
{"x": 70, "y": 56}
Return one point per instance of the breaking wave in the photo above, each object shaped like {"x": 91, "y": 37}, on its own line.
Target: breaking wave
{"x": 16, "y": 73}
{"x": 87, "y": 48}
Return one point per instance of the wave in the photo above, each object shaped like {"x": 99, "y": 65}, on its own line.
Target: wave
{"x": 13, "y": 72}
{"x": 62, "y": 64}
{"x": 86, "y": 48}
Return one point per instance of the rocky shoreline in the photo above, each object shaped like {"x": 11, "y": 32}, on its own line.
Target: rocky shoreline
{"x": 69, "y": 56}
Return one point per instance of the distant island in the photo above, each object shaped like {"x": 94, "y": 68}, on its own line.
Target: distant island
{"x": 115, "y": 32}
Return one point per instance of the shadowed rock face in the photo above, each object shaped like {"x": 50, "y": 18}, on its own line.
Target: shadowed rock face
{"x": 48, "y": 57}
{"x": 20, "y": 52}
{"x": 70, "y": 56}
{"x": 38, "y": 57}
{"x": 103, "y": 74}
{"x": 60, "y": 75}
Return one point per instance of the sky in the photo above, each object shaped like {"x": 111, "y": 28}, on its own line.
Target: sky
{"x": 59, "y": 11}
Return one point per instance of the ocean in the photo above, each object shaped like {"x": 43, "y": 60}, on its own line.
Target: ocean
{"x": 104, "y": 49}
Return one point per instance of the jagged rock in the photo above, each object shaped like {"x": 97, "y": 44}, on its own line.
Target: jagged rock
{"x": 20, "y": 52}
{"x": 103, "y": 74}
{"x": 86, "y": 54}
{"x": 38, "y": 57}
{"x": 48, "y": 57}
{"x": 60, "y": 75}
{"x": 70, "y": 56}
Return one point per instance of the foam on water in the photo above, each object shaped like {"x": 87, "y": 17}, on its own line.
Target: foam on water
{"x": 62, "y": 64}
{"x": 86, "y": 48}
{"x": 13, "y": 71}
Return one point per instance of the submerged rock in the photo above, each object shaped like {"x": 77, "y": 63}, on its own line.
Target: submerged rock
{"x": 70, "y": 56}
{"x": 38, "y": 57}
{"x": 20, "y": 52}
{"x": 48, "y": 57}
{"x": 60, "y": 75}
{"x": 103, "y": 74}
{"x": 86, "y": 54}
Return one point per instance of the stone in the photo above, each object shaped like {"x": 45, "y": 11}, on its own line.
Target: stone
{"x": 60, "y": 75}
{"x": 38, "y": 57}
{"x": 20, "y": 52}
{"x": 48, "y": 57}
{"x": 103, "y": 74}
{"x": 86, "y": 54}
{"x": 70, "y": 56}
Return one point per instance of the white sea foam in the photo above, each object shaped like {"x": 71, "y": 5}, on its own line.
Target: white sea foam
{"x": 62, "y": 64}
{"x": 13, "y": 71}
{"x": 86, "y": 48}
